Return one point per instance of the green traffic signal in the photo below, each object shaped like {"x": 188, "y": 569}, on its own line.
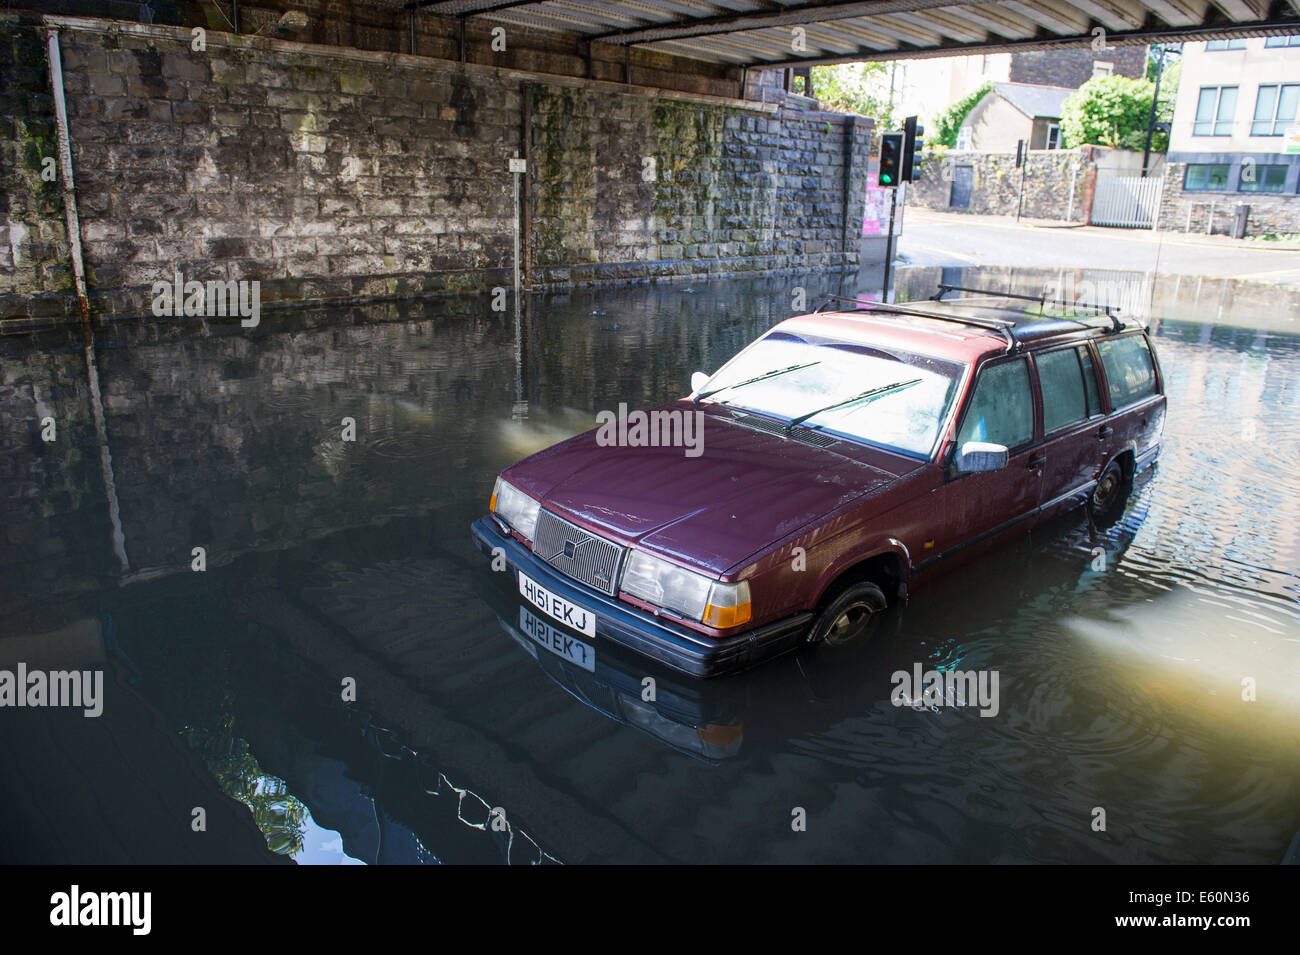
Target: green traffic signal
{"x": 891, "y": 152}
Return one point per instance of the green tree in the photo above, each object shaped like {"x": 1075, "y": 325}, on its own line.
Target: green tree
{"x": 1171, "y": 53}
{"x": 861, "y": 88}
{"x": 1110, "y": 111}
{"x": 949, "y": 121}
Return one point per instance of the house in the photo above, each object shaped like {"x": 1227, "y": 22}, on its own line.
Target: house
{"x": 1235, "y": 136}
{"x": 1011, "y": 112}
{"x": 928, "y": 87}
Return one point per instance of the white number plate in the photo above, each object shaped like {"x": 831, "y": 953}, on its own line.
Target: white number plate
{"x": 557, "y": 641}
{"x": 569, "y": 614}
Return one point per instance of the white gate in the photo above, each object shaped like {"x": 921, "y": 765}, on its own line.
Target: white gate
{"x": 1130, "y": 201}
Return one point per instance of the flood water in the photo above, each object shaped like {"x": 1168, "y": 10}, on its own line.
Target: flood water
{"x": 337, "y": 568}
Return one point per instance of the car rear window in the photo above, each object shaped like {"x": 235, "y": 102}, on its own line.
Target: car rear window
{"x": 1068, "y": 395}
{"x": 1130, "y": 373}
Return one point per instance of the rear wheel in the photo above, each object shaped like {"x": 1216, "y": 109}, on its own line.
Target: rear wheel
{"x": 1108, "y": 496}
{"x": 851, "y": 616}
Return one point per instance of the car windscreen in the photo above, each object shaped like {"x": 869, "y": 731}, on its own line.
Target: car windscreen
{"x": 882, "y": 396}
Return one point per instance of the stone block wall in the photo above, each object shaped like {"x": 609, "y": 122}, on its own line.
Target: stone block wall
{"x": 996, "y": 183}
{"x": 632, "y": 186}
{"x": 330, "y": 174}
{"x": 1270, "y": 214}
{"x": 340, "y": 181}
{"x": 35, "y": 271}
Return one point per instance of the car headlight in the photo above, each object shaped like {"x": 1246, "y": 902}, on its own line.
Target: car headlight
{"x": 712, "y": 602}
{"x": 515, "y": 508}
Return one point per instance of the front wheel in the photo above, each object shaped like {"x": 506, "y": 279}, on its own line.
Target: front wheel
{"x": 851, "y": 616}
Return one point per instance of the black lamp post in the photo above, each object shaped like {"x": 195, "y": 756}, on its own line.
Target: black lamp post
{"x": 1155, "y": 98}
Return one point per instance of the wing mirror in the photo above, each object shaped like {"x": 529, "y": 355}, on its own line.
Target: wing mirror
{"x": 699, "y": 380}
{"x": 977, "y": 456}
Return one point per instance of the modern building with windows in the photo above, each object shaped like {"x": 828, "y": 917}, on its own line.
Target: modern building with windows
{"x": 1235, "y": 137}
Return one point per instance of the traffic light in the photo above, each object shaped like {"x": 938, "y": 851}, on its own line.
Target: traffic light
{"x": 891, "y": 157}
{"x": 912, "y": 145}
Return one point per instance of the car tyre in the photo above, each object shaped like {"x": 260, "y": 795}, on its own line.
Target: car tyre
{"x": 851, "y": 615}
{"x": 1107, "y": 499}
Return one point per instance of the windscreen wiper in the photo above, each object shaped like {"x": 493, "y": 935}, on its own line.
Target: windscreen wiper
{"x": 750, "y": 381}
{"x": 870, "y": 393}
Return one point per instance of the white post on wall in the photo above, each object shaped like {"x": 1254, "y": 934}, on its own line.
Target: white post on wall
{"x": 71, "y": 219}
{"x": 517, "y": 168}
{"x": 1069, "y": 209}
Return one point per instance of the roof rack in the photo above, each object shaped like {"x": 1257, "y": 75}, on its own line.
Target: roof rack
{"x": 1004, "y": 328}
{"x": 944, "y": 288}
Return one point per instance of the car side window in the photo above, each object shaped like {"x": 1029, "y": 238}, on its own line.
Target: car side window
{"x": 1090, "y": 380}
{"x": 1068, "y": 395}
{"x": 1130, "y": 373}
{"x": 1002, "y": 409}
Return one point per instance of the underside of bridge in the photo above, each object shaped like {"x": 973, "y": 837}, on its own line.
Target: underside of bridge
{"x": 767, "y": 33}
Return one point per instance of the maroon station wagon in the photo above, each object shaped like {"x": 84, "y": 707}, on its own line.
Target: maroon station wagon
{"x": 845, "y": 458}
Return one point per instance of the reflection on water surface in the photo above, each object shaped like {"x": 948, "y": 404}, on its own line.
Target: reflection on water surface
{"x": 1121, "y": 652}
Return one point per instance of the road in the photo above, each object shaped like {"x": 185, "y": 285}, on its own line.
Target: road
{"x": 946, "y": 239}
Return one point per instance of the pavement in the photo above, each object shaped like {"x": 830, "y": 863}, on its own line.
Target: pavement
{"x": 956, "y": 239}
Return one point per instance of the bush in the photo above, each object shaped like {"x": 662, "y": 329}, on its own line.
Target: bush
{"x": 861, "y": 88}
{"x": 1110, "y": 111}
{"x": 949, "y": 121}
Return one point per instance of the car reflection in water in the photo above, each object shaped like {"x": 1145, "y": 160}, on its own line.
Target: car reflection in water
{"x": 800, "y": 693}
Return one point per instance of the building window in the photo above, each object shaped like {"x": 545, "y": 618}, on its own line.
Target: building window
{"x": 1283, "y": 40}
{"x": 1205, "y": 177}
{"x": 1053, "y": 136}
{"x": 1262, "y": 178}
{"x": 1102, "y": 68}
{"x": 1275, "y": 108}
{"x": 1214, "y": 111}
{"x": 1238, "y": 44}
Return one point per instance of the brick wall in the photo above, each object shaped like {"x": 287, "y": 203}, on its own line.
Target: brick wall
{"x": 330, "y": 174}
{"x": 1073, "y": 67}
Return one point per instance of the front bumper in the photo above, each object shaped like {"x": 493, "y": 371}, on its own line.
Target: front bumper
{"x": 669, "y": 643}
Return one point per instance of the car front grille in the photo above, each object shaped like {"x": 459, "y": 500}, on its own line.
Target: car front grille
{"x": 572, "y": 551}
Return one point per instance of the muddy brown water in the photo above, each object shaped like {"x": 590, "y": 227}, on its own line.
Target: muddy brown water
{"x": 1121, "y": 653}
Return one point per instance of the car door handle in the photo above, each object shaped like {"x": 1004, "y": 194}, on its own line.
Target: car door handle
{"x": 1037, "y": 462}
{"x": 1104, "y": 432}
